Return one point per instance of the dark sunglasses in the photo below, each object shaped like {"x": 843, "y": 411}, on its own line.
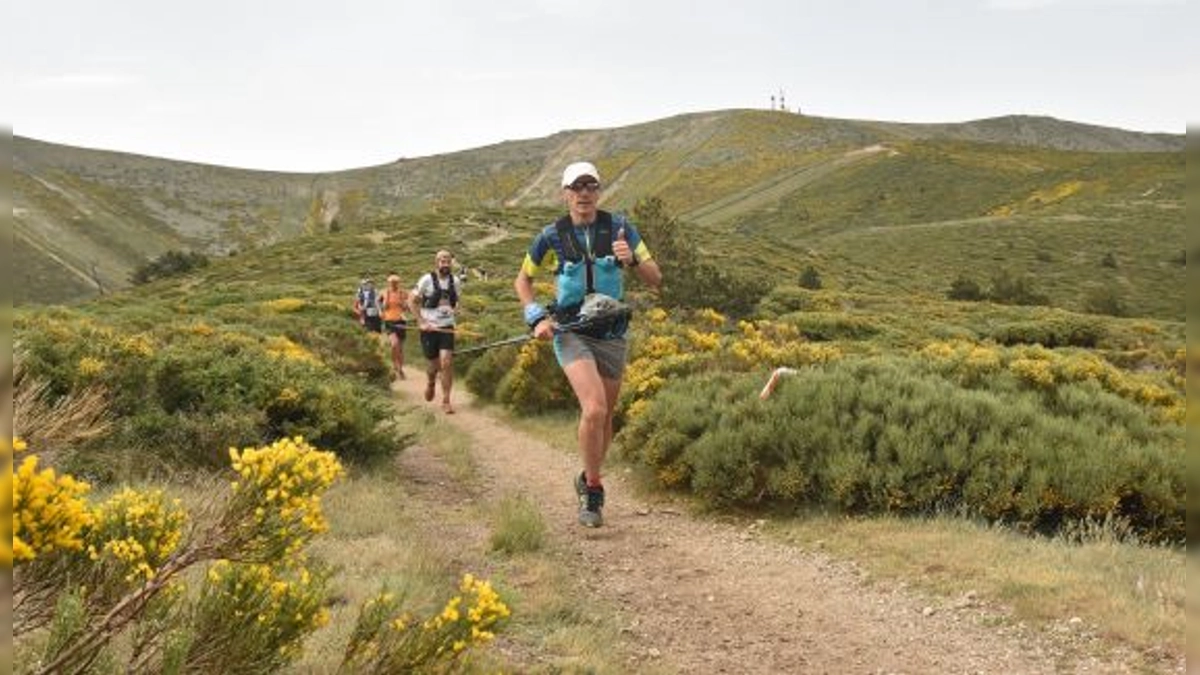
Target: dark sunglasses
{"x": 584, "y": 186}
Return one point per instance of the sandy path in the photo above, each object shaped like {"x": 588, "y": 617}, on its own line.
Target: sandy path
{"x": 695, "y": 595}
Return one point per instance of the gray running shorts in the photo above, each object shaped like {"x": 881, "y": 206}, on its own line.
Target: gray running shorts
{"x": 609, "y": 354}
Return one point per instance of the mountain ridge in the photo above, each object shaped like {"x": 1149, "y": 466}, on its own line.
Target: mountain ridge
{"x": 92, "y": 216}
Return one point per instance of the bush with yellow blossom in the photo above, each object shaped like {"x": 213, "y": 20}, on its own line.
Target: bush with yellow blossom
{"x": 1039, "y": 368}
{"x": 276, "y": 505}
{"x": 389, "y": 639}
{"x": 49, "y": 511}
{"x": 123, "y": 562}
{"x": 180, "y": 389}
{"x": 535, "y": 382}
{"x": 253, "y": 618}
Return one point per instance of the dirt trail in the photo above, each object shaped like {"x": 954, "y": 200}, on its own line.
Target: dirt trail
{"x": 694, "y": 595}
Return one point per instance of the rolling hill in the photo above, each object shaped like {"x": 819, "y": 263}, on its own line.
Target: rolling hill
{"x": 861, "y": 200}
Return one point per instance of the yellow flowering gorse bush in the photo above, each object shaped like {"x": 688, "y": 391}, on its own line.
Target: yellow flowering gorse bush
{"x": 282, "y": 348}
{"x": 673, "y": 349}
{"x": 655, "y": 316}
{"x": 284, "y": 305}
{"x": 772, "y": 344}
{"x": 139, "y": 345}
{"x": 257, "y": 612}
{"x": 704, "y": 342}
{"x": 658, "y": 347}
{"x": 90, "y": 366}
{"x": 137, "y": 530}
{"x": 280, "y": 486}
{"x": 49, "y": 511}
{"x": 389, "y": 639}
{"x": 711, "y": 317}
{"x": 6, "y": 489}
{"x": 201, "y": 329}
{"x": 131, "y": 549}
{"x": 534, "y": 381}
{"x": 1045, "y": 368}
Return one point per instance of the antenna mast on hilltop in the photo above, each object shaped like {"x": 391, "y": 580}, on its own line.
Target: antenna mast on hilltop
{"x": 780, "y": 102}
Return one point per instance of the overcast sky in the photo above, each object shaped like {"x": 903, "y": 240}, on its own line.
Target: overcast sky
{"x": 300, "y": 85}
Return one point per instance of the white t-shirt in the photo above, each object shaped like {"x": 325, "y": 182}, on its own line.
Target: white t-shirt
{"x": 441, "y": 316}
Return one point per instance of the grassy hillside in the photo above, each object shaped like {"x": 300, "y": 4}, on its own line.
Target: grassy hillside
{"x": 94, "y": 216}
{"x": 167, "y": 346}
{"x": 257, "y": 345}
{"x": 914, "y": 217}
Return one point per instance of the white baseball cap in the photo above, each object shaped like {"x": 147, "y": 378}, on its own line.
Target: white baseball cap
{"x": 577, "y": 170}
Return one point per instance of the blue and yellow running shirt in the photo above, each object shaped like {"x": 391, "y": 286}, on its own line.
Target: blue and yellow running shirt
{"x": 546, "y": 253}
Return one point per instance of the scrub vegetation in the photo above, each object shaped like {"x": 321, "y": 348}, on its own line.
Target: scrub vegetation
{"x": 972, "y": 333}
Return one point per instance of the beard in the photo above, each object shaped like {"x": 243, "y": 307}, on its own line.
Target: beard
{"x": 444, "y": 271}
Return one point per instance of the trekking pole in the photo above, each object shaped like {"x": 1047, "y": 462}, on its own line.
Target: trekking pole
{"x": 499, "y": 343}
{"x": 456, "y": 331}
{"x": 558, "y": 330}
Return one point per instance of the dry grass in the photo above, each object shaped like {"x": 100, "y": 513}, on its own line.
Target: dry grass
{"x": 553, "y": 626}
{"x": 556, "y": 429}
{"x": 375, "y": 540}
{"x": 518, "y": 526}
{"x": 418, "y": 539}
{"x": 1129, "y": 592}
{"x": 452, "y": 445}
{"x": 53, "y": 426}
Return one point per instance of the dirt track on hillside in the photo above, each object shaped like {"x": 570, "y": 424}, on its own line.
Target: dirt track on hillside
{"x": 694, "y": 595}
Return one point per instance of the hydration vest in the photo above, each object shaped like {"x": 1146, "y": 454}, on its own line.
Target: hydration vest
{"x": 601, "y": 246}
{"x": 368, "y": 301}
{"x": 601, "y": 273}
{"x": 433, "y": 300}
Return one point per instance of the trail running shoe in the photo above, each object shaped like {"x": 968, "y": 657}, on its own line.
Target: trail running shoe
{"x": 429, "y": 385}
{"x": 591, "y": 502}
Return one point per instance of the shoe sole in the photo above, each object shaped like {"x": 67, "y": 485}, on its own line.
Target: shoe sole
{"x": 581, "y": 492}
{"x": 595, "y": 525}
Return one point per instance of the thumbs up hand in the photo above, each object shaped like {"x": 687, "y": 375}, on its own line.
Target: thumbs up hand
{"x": 621, "y": 248}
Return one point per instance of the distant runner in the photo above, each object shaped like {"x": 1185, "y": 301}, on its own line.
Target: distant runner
{"x": 366, "y": 306}
{"x": 434, "y": 300}
{"x": 393, "y": 304}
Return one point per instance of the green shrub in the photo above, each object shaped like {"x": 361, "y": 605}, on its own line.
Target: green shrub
{"x": 169, "y": 264}
{"x": 1051, "y": 332}
{"x": 785, "y": 299}
{"x": 1008, "y": 289}
{"x": 810, "y": 278}
{"x": 964, "y": 288}
{"x": 181, "y": 391}
{"x": 535, "y": 383}
{"x": 889, "y": 435}
{"x": 1105, "y": 301}
{"x": 689, "y": 280}
{"x": 485, "y": 370}
{"x": 828, "y": 326}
